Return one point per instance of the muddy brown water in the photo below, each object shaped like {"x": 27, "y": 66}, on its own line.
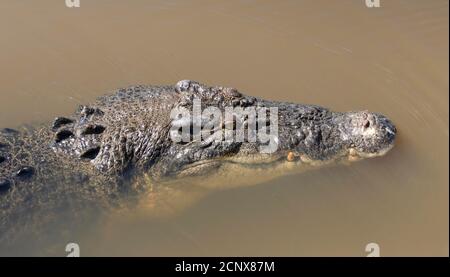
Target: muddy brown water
{"x": 339, "y": 54}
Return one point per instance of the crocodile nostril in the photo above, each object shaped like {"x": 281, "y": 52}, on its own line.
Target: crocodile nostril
{"x": 367, "y": 124}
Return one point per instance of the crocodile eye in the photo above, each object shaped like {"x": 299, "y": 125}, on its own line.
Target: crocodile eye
{"x": 367, "y": 124}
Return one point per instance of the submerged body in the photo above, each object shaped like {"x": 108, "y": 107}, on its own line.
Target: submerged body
{"x": 93, "y": 158}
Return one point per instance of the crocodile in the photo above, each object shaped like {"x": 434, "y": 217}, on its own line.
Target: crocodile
{"x": 93, "y": 159}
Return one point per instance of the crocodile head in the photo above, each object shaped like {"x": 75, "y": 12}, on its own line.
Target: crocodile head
{"x": 191, "y": 129}
{"x": 295, "y": 135}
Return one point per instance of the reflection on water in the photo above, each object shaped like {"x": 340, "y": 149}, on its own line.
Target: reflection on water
{"x": 338, "y": 54}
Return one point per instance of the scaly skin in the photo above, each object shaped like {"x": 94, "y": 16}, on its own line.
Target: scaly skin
{"x": 91, "y": 159}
